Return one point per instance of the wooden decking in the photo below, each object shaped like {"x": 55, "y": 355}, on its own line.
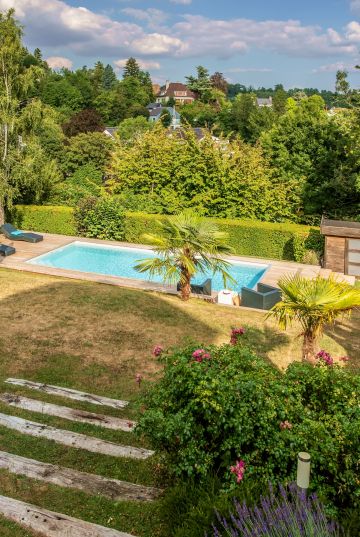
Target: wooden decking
{"x": 26, "y": 251}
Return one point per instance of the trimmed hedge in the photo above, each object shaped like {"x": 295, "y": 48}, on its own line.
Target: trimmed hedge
{"x": 43, "y": 218}
{"x": 247, "y": 237}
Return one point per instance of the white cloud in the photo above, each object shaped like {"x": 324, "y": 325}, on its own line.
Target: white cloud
{"x": 54, "y": 23}
{"x": 64, "y": 29}
{"x": 334, "y": 67}
{"x": 58, "y": 62}
{"x": 144, "y": 64}
{"x": 152, "y": 17}
{"x": 158, "y": 44}
{"x": 205, "y": 36}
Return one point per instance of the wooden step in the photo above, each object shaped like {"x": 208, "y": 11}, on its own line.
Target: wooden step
{"x": 67, "y": 477}
{"x": 75, "y": 440}
{"x": 108, "y": 422}
{"x": 69, "y": 393}
{"x": 52, "y": 524}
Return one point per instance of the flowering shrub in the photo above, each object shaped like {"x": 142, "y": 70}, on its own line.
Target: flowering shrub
{"x": 200, "y": 354}
{"x": 235, "y": 335}
{"x": 291, "y": 513}
{"x": 238, "y": 470}
{"x": 206, "y": 414}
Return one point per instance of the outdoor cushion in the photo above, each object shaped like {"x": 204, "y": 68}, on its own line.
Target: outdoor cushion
{"x": 264, "y": 297}
{"x": 6, "y": 250}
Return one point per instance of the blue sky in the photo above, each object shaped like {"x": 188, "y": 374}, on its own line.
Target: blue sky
{"x": 251, "y": 42}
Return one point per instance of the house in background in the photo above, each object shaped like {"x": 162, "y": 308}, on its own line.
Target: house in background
{"x": 156, "y": 109}
{"x": 177, "y": 91}
{"x": 110, "y": 131}
{"x": 264, "y": 103}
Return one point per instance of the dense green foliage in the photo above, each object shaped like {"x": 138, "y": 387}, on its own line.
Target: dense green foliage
{"x": 249, "y": 238}
{"x": 318, "y": 155}
{"x": 100, "y": 218}
{"x": 230, "y": 179}
{"x": 87, "y": 148}
{"x": 86, "y": 181}
{"x": 224, "y": 404}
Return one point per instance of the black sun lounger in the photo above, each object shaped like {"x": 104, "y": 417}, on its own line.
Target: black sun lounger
{"x": 6, "y": 250}
{"x": 14, "y": 234}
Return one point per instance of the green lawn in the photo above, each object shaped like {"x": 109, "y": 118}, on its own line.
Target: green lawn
{"x": 97, "y": 338}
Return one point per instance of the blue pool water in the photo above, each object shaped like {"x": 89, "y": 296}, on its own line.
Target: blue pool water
{"x": 120, "y": 261}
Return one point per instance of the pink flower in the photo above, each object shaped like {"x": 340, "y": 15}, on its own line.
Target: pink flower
{"x": 238, "y": 470}
{"x": 325, "y": 357}
{"x": 138, "y": 379}
{"x": 201, "y": 354}
{"x": 235, "y": 333}
{"x": 344, "y": 359}
{"x": 157, "y": 350}
{"x": 285, "y": 425}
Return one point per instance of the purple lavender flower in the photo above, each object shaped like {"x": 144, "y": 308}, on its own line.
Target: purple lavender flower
{"x": 290, "y": 512}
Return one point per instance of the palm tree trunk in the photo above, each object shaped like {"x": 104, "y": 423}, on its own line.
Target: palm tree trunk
{"x": 185, "y": 288}
{"x": 309, "y": 348}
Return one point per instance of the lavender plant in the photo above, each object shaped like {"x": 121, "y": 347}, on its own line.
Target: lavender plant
{"x": 291, "y": 513}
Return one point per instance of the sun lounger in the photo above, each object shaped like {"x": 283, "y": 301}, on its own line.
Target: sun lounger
{"x": 6, "y": 250}
{"x": 14, "y": 234}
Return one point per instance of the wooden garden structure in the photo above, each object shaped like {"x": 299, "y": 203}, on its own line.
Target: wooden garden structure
{"x": 342, "y": 246}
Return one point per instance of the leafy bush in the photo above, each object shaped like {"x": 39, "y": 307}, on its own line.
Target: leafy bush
{"x": 86, "y": 181}
{"x": 229, "y": 179}
{"x": 101, "y": 218}
{"x": 46, "y": 219}
{"x": 205, "y": 415}
{"x": 91, "y": 147}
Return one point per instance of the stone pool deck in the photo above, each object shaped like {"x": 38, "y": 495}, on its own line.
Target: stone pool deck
{"x": 26, "y": 251}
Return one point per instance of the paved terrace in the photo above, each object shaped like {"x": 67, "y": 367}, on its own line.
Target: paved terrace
{"x": 26, "y": 251}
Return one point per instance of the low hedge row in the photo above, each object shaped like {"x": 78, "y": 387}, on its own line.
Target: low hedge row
{"x": 46, "y": 219}
{"x": 249, "y": 238}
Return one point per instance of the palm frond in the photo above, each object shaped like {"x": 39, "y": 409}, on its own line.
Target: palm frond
{"x": 314, "y": 303}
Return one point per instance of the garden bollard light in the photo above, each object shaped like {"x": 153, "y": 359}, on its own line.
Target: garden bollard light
{"x": 303, "y": 470}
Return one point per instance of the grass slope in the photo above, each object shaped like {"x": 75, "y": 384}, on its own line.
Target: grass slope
{"x": 97, "y": 338}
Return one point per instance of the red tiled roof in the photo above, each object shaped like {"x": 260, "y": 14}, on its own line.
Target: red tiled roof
{"x": 174, "y": 87}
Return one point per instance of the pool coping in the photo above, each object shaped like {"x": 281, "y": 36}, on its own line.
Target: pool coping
{"x": 28, "y": 251}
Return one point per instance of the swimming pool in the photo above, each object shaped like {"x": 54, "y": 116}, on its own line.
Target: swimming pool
{"x": 120, "y": 261}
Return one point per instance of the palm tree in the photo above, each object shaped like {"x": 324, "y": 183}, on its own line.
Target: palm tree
{"x": 314, "y": 304}
{"x": 186, "y": 245}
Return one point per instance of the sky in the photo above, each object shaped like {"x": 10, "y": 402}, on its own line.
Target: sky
{"x": 253, "y": 42}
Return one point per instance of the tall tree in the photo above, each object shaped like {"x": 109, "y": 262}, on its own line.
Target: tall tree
{"x": 22, "y": 162}
{"x": 201, "y": 84}
{"x": 279, "y": 100}
{"x": 342, "y": 86}
{"x": 109, "y": 78}
{"x": 132, "y": 68}
{"x": 219, "y": 82}
{"x": 97, "y": 77}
